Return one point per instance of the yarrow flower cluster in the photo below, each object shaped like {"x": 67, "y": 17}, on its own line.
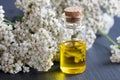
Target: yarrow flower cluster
{"x": 115, "y": 50}
{"x": 6, "y": 41}
{"x": 112, "y": 8}
{"x": 1, "y": 14}
{"x": 34, "y": 41}
{"x": 47, "y": 16}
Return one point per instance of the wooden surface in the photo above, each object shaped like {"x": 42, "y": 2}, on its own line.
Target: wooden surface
{"x": 99, "y": 66}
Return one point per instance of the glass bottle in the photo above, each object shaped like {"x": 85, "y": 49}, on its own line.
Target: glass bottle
{"x": 73, "y": 49}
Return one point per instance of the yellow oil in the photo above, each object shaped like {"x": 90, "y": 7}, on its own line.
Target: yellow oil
{"x": 73, "y": 57}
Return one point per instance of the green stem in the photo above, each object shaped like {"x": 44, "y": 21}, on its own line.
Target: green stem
{"x": 119, "y": 46}
{"x": 108, "y": 38}
{"x": 8, "y": 21}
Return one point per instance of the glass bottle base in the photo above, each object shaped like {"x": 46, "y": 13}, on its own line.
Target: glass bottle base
{"x": 73, "y": 70}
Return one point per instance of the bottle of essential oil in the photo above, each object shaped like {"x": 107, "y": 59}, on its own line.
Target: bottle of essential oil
{"x": 73, "y": 50}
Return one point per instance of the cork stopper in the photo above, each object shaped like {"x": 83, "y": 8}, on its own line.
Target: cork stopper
{"x": 73, "y": 14}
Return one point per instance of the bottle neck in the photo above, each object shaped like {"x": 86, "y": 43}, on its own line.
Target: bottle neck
{"x": 75, "y": 25}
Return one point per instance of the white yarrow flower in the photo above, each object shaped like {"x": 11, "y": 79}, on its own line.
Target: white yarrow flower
{"x": 115, "y": 50}
{"x": 118, "y": 39}
{"x": 108, "y": 22}
{"x": 1, "y": 14}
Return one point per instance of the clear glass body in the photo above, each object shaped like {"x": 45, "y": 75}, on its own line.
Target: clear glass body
{"x": 73, "y": 49}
